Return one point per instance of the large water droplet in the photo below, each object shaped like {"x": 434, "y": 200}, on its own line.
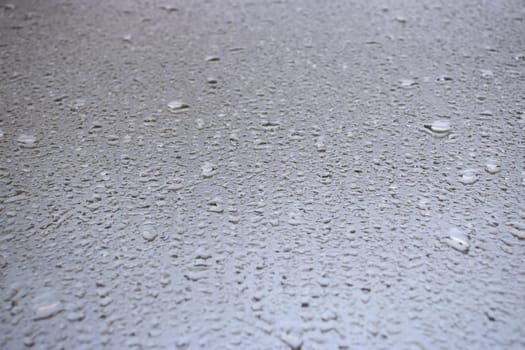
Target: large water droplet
{"x": 215, "y": 205}
{"x": 438, "y": 128}
{"x": 176, "y": 106}
{"x": 149, "y": 235}
{"x": 492, "y": 166}
{"x": 406, "y": 83}
{"x": 457, "y": 239}
{"x": 208, "y": 169}
{"x": 468, "y": 176}
{"x": 46, "y": 305}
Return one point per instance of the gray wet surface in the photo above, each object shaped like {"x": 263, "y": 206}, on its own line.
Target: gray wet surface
{"x": 262, "y": 175}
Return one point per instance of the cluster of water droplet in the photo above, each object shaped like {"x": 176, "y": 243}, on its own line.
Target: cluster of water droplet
{"x": 291, "y": 193}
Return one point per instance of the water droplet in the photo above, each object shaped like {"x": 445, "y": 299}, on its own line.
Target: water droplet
{"x": 168, "y": 8}
{"x": 46, "y": 306}
{"x": 16, "y": 198}
{"x": 293, "y": 340}
{"x": 175, "y": 184}
{"x": 113, "y": 140}
{"x": 520, "y": 57}
{"x": 215, "y": 205}
{"x": 199, "y": 123}
{"x": 492, "y": 166}
{"x": 320, "y": 144}
{"x": 329, "y": 315}
{"x": 443, "y": 78}
{"x": 76, "y": 316}
{"x": 208, "y": 170}
{"x": 458, "y": 240}
{"x": 438, "y": 128}
{"x": 519, "y": 225}
{"x": 487, "y": 73}
{"x": 233, "y": 219}
{"x": 486, "y": 113}
{"x": 196, "y": 275}
{"x": 176, "y": 106}
{"x": 183, "y": 343}
{"x": 8, "y": 6}
{"x": 77, "y": 104}
{"x": 406, "y": 83}
{"x": 202, "y": 254}
{"x": 27, "y": 141}
{"x": 295, "y": 218}
{"x": 149, "y": 235}
{"x": 519, "y": 229}
{"x": 468, "y": 176}
{"x": 234, "y": 138}
{"x": 105, "y": 301}
{"x": 400, "y": 19}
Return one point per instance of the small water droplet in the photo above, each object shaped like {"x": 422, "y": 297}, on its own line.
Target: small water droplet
{"x": 443, "y": 78}
{"x": 329, "y": 315}
{"x": 519, "y": 229}
{"x": 29, "y": 341}
{"x": 113, "y": 140}
{"x": 76, "y": 316}
{"x": 486, "y": 73}
{"x": 233, "y": 219}
{"x": 400, "y": 19}
{"x": 320, "y": 144}
{"x": 519, "y": 225}
{"x": 196, "y": 275}
{"x": 293, "y": 340}
{"x": 168, "y": 8}
{"x": 8, "y": 6}
{"x": 486, "y": 113}
{"x": 202, "y": 253}
{"x": 199, "y": 123}
{"x": 27, "y": 141}
{"x": 183, "y": 343}
{"x": 175, "y": 184}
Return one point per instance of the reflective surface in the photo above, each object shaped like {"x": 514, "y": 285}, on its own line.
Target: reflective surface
{"x": 262, "y": 175}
